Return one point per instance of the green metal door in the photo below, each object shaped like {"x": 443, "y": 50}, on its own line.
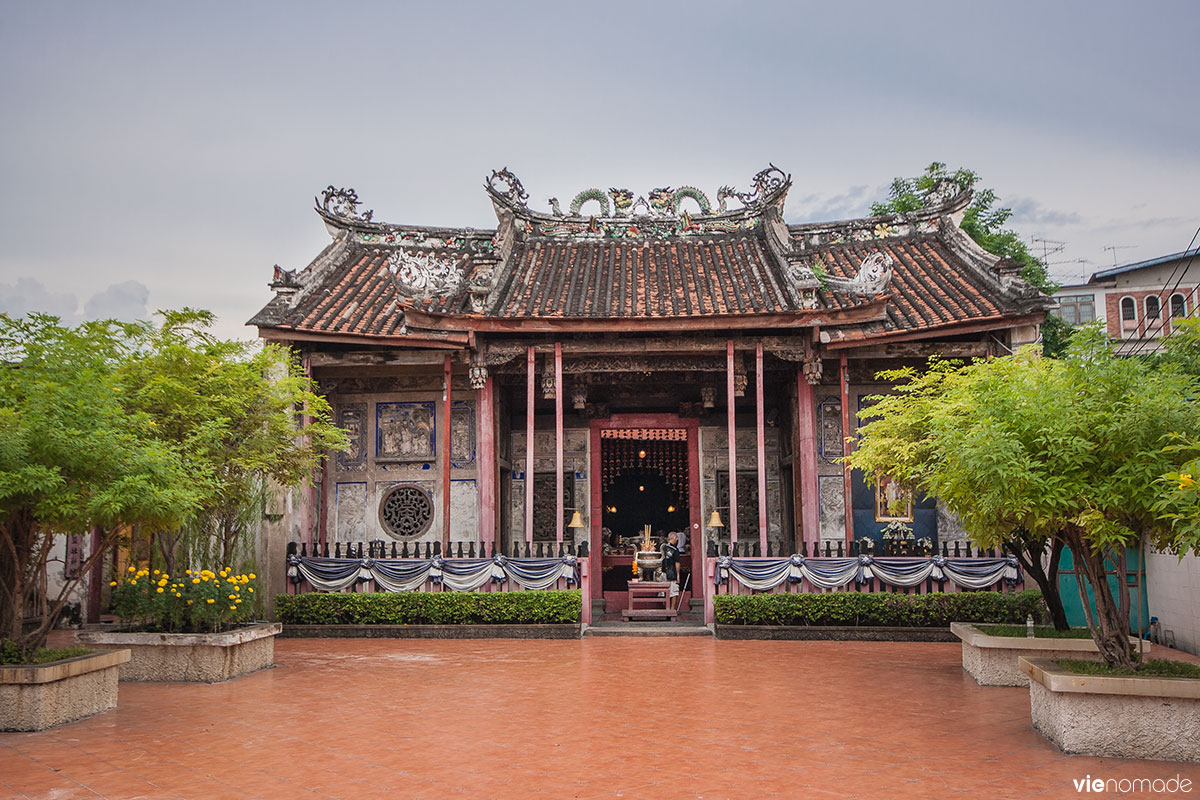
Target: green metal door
{"x": 1073, "y": 604}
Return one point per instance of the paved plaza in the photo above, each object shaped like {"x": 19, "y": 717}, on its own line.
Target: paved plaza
{"x": 597, "y": 718}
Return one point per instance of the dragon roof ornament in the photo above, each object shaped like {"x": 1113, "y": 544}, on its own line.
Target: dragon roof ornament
{"x": 663, "y": 211}
{"x": 342, "y": 203}
{"x": 873, "y": 277}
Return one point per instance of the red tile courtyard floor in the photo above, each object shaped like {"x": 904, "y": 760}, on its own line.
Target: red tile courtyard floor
{"x": 597, "y": 718}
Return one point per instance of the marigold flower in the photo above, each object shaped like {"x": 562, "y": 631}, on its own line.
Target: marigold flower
{"x": 233, "y": 597}
{"x": 249, "y": 588}
{"x": 195, "y": 580}
{"x": 112, "y": 583}
{"x": 159, "y": 590}
{"x": 132, "y": 582}
{"x": 155, "y": 572}
{"x": 1186, "y": 480}
{"x": 133, "y": 569}
{"x": 187, "y": 572}
{"x": 233, "y": 608}
{"x": 189, "y": 602}
{"x": 211, "y": 601}
{"x": 252, "y": 576}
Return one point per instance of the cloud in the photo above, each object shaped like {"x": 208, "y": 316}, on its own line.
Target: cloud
{"x": 854, "y": 202}
{"x": 28, "y": 295}
{"x": 1027, "y": 211}
{"x": 124, "y": 301}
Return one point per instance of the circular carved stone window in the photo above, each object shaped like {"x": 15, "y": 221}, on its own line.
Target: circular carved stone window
{"x": 406, "y": 511}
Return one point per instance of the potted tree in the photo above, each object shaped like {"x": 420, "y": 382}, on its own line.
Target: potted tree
{"x": 1072, "y": 451}
{"x": 229, "y": 409}
{"x": 72, "y": 459}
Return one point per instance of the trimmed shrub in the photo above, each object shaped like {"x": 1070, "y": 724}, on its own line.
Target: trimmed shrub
{"x": 429, "y": 608}
{"x": 887, "y": 609}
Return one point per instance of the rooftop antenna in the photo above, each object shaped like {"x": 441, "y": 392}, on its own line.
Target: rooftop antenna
{"x": 1047, "y": 249}
{"x": 1116, "y": 247}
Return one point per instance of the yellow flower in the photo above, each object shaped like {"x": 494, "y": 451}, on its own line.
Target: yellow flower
{"x": 252, "y": 576}
{"x": 233, "y": 608}
{"x": 159, "y": 590}
{"x": 1186, "y": 480}
{"x": 211, "y": 601}
{"x": 112, "y": 583}
{"x": 155, "y": 572}
{"x": 189, "y": 602}
{"x": 132, "y": 569}
{"x": 195, "y": 580}
{"x": 132, "y": 583}
{"x": 233, "y": 597}
{"x": 250, "y": 589}
{"x": 166, "y": 577}
{"x": 187, "y": 572}
{"x": 177, "y": 594}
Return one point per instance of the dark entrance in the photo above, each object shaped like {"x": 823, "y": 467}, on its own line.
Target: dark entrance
{"x": 642, "y": 475}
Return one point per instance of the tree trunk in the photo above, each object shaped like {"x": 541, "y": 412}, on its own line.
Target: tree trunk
{"x": 1109, "y": 631}
{"x": 1029, "y": 556}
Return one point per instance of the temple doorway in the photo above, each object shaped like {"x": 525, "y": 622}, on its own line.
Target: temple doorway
{"x": 645, "y": 473}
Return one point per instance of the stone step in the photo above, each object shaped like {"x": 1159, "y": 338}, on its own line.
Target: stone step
{"x": 646, "y": 629}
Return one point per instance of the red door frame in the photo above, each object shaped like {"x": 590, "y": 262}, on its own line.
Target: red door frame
{"x": 695, "y": 539}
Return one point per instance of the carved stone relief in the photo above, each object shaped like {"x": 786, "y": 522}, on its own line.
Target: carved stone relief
{"x": 352, "y": 418}
{"x": 405, "y": 431}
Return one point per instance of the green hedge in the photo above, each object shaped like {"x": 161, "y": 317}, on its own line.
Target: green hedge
{"x": 429, "y": 608}
{"x": 884, "y": 608}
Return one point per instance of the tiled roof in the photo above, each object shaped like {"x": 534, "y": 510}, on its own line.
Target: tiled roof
{"x": 683, "y": 277}
{"x": 521, "y": 274}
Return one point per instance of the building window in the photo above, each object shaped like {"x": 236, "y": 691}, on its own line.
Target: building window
{"x": 406, "y": 511}
{"x": 1128, "y": 310}
{"x": 1152, "y": 307}
{"x": 1077, "y": 309}
{"x": 1178, "y": 305}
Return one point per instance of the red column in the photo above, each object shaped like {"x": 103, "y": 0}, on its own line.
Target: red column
{"x": 762, "y": 449}
{"x": 729, "y": 400}
{"x": 446, "y": 457}
{"x": 807, "y": 457}
{"x": 486, "y": 406}
{"x": 530, "y": 364}
{"x": 844, "y": 374}
{"x": 558, "y": 443}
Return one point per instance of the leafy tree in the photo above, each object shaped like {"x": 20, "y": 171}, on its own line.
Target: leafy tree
{"x": 234, "y": 413}
{"x": 72, "y": 459}
{"x": 1068, "y": 450}
{"x": 984, "y": 221}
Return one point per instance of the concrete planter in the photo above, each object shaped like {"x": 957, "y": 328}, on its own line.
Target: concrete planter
{"x": 1120, "y": 717}
{"x": 992, "y": 660}
{"x": 33, "y": 698}
{"x": 201, "y": 657}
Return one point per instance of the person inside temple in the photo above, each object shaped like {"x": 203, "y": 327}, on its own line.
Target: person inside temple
{"x": 670, "y": 566}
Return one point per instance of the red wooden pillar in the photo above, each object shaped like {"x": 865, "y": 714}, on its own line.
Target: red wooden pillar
{"x": 762, "y": 449}
{"x": 530, "y": 364}
{"x": 844, "y": 374}
{"x": 558, "y": 443}
{"x": 807, "y": 455}
{"x": 447, "y": 371}
{"x": 485, "y": 403}
{"x": 729, "y": 399}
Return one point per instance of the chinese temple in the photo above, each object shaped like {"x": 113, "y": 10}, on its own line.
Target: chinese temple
{"x": 570, "y": 376}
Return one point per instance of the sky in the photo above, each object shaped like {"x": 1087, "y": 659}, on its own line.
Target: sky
{"x": 161, "y": 155}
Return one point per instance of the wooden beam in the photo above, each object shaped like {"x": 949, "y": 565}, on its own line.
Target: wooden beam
{"x": 448, "y": 375}
{"x": 382, "y": 358}
{"x": 729, "y": 400}
{"x": 844, "y": 380}
{"x": 558, "y": 443}
{"x": 921, "y": 350}
{"x": 992, "y": 324}
{"x": 529, "y": 376}
{"x": 762, "y": 448}
{"x": 442, "y": 340}
{"x": 809, "y": 497}
{"x": 871, "y": 311}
